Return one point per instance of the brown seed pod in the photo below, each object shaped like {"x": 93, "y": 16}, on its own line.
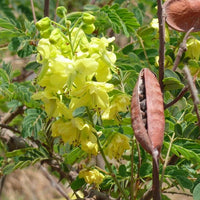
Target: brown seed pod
{"x": 147, "y": 112}
{"x": 182, "y": 15}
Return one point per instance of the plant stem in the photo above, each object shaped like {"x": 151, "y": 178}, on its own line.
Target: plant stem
{"x": 132, "y": 171}
{"x": 167, "y": 159}
{"x": 57, "y": 4}
{"x": 180, "y": 95}
{"x": 156, "y": 184}
{"x": 194, "y": 92}
{"x": 110, "y": 168}
{"x": 144, "y": 50}
{"x": 46, "y": 8}
{"x": 33, "y": 11}
{"x": 181, "y": 49}
{"x": 161, "y": 20}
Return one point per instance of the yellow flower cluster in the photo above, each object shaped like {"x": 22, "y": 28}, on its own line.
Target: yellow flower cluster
{"x": 76, "y": 132}
{"x": 116, "y": 147}
{"x": 92, "y": 176}
{"x": 75, "y": 73}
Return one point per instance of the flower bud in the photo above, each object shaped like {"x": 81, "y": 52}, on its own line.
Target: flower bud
{"x": 43, "y": 24}
{"x": 55, "y": 36}
{"x": 88, "y": 28}
{"x": 61, "y": 11}
{"x": 46, "y": 33}
{"x": 88, "y": 18}
{"x": 68, "y": 23}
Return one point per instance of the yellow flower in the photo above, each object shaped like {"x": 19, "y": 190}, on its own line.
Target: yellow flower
{"x": 54, "y": 107}
{"x": 67, "y": 130}
{"x": 88, "y": 141}
{"x": 193, "y": 49}
{"x": 92, "y": 94}
{"x": 85, "y": 69}
{"x": 118, "y": 144}
{"x": 59, "y": 71}
{"x": 105, "y": 58}
{"x": 76, "y": 132}
{"x": 92, "y": 176}
{"x": 119, "y": 103}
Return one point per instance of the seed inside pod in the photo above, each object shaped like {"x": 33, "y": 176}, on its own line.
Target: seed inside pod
{"x": 142, "y": 100}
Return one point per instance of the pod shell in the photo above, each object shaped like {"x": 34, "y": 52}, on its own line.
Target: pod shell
{"x": 152, "y": 137}
{"x": 182, "y": 15}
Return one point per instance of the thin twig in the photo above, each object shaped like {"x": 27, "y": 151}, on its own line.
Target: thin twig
{"x": 179, "y": 96}
{"x": 177, "y": 193}
{"x": 33, "y": 11}
{"x": 54, "y": 183}
{"x": 161, "y": 20}
{"x": 166, "y": 159}
{"x": 46, "y": 8}
{"x": 144, "y": 50}
{"x": 137, "y": 181}
{"x": 132, "y": 171}
{"x": 181, "y": 49}
{"x": 57, "y": 4}
{"x": 10, "y": 128}
{"x": 11, "y": 115}
{"x": 193, "y": 90}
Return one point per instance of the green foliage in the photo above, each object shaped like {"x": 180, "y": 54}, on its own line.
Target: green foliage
{"x": 33, "y": 122}
{"x": 120, "y": 19}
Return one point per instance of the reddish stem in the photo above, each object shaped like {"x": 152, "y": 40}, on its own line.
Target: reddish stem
{"x": 156, "y": 182}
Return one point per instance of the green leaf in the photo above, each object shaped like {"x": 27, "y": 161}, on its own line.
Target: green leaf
{"x": 196, "y": 192}
{"x": 18, "y": 152}
{"x": 77, "y": 184}
{"x": 178, "y": 129}
{"x": 7, "y": 35}
{"x": 187, "y": 153}
{"x": 75, "y": 155}
{"x": 145, "y": 169}
{"x": 79, "y": 111}
{"x": 170, "y": 73}
{"x": 3, "y": 76}
{"x": 122, "y": 171}
{"x": 147, "y": 34}
{"x": 171, "y": 83}
{"x": 120, "y": 19}
{"x": 33, "y": 122}
{"x": 190, "y": 117}
{"x": 8, "y": 168}
{"x": 138, "y": 14}
{"x": 188, "y": 130}
{"x": 22, "y": 164}
{"x": 14, "y": 44}
{"x": 27, "y": 50}
{"x": 7, "y": 24}
{"x": 33, "y": 66}
{"x": 184, "y": 181}
{"x": 6, "y": 10}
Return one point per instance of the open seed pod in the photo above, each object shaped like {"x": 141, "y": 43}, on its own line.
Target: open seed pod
{"x": 182, "y": 15}
{"x": 147, "y": 112}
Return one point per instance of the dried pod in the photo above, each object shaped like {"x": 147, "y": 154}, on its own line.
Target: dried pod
{"x": 182, "y": 15}
{"x": 147, "y": 112}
